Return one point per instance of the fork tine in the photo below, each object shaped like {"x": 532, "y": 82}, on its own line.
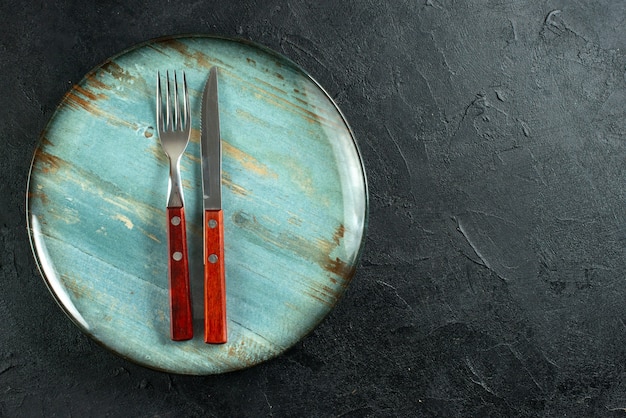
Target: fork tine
{"x": 177, "y": 118}
{"x": 159, "y": 104}
{"x": 186, "y": 103}
{"x": 168, "y": 113}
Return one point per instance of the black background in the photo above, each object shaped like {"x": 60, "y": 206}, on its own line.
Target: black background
{"x": 493, "y": 277}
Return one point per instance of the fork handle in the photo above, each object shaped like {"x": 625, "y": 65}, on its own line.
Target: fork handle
{"x": 181, "y": 319}
{"x": 215, "y": 329}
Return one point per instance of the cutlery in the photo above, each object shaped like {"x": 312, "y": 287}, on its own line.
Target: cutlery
{"x": 215, "y": 330}
{"x": 174, "y": 130}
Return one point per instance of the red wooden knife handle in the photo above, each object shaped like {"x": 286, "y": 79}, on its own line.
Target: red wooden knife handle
{"x": 215, "y": 331}
{"x": 181, "y": 319}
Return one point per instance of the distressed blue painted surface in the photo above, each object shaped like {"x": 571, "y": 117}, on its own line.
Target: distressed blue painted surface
{"x": 295, "y": 204}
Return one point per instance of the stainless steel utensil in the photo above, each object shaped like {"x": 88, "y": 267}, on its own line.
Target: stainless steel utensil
{"x": 215, "y": 329}
{"x": 174, "y": 131}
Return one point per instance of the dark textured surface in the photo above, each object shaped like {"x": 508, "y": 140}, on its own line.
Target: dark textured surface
{"x": 493, "y": 279}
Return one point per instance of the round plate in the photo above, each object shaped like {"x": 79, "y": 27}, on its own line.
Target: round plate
{"x": 294, "y": 202}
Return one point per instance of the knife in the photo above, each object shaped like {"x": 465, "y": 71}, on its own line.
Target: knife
{"x": 215, "y": 331}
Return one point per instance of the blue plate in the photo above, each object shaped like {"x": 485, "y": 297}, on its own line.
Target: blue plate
{"x": 294, "y": 201}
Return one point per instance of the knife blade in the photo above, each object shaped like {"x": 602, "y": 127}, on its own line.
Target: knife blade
{"x": 215, "y": 329}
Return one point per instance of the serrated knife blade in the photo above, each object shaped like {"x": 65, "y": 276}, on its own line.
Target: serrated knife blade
{"x": 211, "y": 145}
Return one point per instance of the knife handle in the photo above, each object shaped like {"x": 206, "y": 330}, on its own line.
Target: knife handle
{"x": 215, "y": 331}
{"x": 181, "y": 319}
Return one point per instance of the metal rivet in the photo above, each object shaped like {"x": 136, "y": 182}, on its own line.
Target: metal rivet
{"x": 213, "y": 258}
{"x": 177, "y": 256}
{"x": 212, "y": 223}
{"x": 175, "y": 220}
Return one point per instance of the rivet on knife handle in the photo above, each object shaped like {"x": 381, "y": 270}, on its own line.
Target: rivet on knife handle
{"x": 215, "y": 321}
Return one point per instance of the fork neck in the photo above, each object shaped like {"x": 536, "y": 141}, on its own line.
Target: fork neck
{"x": 175, "y": 186}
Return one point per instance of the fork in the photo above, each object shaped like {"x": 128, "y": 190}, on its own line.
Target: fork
{"x": 174, "y": 131}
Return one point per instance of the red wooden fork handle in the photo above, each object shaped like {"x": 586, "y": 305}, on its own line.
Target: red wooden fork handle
{"x": 215, "y": 331}
{"x": 181, "y": 319}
